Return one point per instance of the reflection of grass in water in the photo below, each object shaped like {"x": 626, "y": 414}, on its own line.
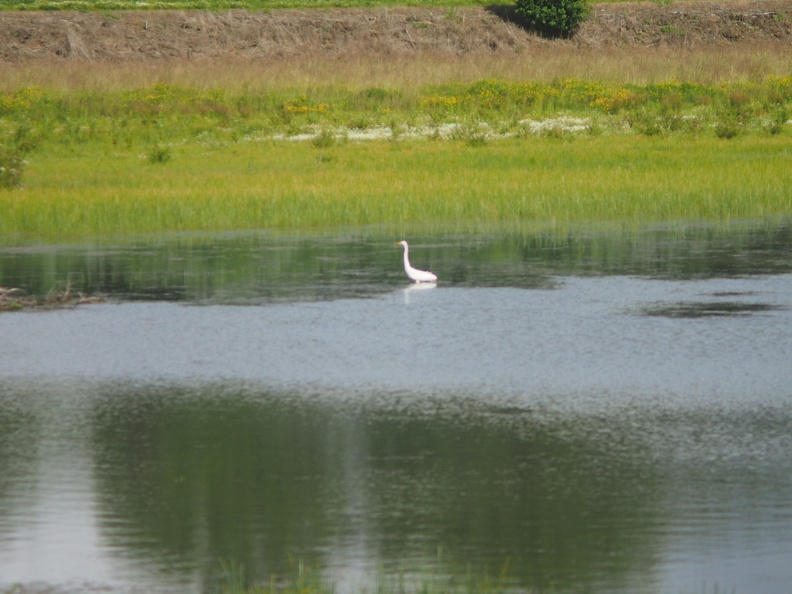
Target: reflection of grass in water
{"x": 308, "y": 580}
{"x": 305, "y": 580}
{"x": 624, "y": 179}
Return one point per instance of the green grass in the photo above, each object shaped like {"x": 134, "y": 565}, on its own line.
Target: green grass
{"x": 293, "y": 185}
{"x": 167, "y": 158}
{"x": 160, "y": 110}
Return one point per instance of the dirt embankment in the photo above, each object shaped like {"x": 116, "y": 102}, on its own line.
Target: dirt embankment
{"x": 141, "y": 35}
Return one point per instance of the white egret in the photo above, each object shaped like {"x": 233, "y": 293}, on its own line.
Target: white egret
{"x": 417, "y": 276}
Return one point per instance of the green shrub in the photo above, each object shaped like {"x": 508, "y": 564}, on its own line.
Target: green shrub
{"x": 554, "y": 17}
{"x": 324, "y": 139}
{"x": 777, "y": 120}
{"x": 727, "y": 129}
{"x": 12, "y": 156}
{"x": 12, "y": 166}
{"x": 159, "y": 155}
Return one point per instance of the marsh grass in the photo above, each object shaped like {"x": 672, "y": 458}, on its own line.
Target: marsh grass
{"x": 565, "y": 150}
{"x": 284, "y": 185}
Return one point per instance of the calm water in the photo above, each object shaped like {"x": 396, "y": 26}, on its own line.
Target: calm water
{"x": 589, "y": 412}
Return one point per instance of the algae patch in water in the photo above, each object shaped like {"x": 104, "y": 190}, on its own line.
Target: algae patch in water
{"x": 706, "y": 309}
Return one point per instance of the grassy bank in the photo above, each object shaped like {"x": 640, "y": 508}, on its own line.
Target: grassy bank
{"x": 297, "y": 185}
{"x": 163, "y": 158}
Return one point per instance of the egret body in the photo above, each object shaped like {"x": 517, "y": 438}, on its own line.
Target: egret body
{"x": 416, "y": 276}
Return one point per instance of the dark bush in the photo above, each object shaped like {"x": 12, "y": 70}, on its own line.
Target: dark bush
{"x": 554, "y": 17}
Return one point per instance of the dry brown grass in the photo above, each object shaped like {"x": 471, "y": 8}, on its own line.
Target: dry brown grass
{"x": 631, "y": 43}
{"x": 708, "y": 65}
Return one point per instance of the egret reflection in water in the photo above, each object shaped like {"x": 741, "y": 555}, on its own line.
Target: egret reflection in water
{"x": 414, "y": 289}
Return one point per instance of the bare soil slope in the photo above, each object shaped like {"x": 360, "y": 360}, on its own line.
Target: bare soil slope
{"x": 142, "y": 35}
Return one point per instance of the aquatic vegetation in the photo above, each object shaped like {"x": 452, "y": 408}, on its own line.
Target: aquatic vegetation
{"x": 12, "y": 298}
{"x": 60, "y": 295}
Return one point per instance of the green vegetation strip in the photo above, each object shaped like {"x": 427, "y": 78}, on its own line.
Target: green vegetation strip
{"x": 166, "y": 158}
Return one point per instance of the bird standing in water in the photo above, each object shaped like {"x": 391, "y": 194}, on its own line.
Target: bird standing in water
{"x": 416, "y": 276}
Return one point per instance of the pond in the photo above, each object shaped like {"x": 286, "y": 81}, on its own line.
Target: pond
{"x": 587, "y": 411}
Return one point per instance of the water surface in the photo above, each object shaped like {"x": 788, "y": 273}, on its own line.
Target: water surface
{"x": 588, "y": 412}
